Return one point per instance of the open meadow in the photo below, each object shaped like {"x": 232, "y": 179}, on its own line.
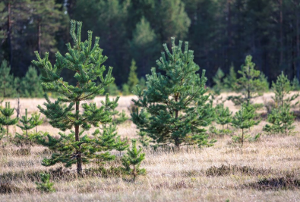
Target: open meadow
{"x": 265, "y": 170}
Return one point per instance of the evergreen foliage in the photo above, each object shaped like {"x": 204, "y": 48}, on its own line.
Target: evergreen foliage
{"x": 125, "y": 89}
{"x": 218, "y": 80}
{"x": 31, "y": 84}
{"x": 223, "y": 115}
{"x": 142, "y": 83}
{"x": 5, "y": 118}
{"x": 36, "y": 120}
{"x": 7, "y": 81}
{"x": 27, "y": 123}
{"x": 174, "y": 105}
{"x": 281, "y": 120}
{"x": 295, "y": 84}
{"x": 282, "y": 88}
{"x": 132, "y": 78}
{"x": 86, "y": 61}
{"x": 45, "y": 185}
{"x": 231, "y": 79}
{"x": 144, "y": 44}
{"x": 132, "y": 161}
{"x": 250, "y": 84}
{"x": 244, "y": 119}
{"x": 112, "y": 89}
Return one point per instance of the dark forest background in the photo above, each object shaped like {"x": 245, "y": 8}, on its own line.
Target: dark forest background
{"x": 221, "y": 32}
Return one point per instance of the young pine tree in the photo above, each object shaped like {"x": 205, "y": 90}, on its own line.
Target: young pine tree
{"x": 5, "y": 118}
{"x": 7, "y": 81}
{"x": 282, "y": 88}
{"x": 174, "y": 105}
{"x": 68, "y": 111}
{"x": 36, "y": 120}
{"x": 223, "y": 115}
{"x": 31, "y": 84}
{"x": 295, "y": 84}
{"x": 249, "y": 84}
{"x": 45, "y": 185}
{"x": 245, "y": 118}
{"x": 281, "y": 120}
{"x": 27, "y": 123}
{"x": 218, "y": 80}
{"x": 133, "y": 158}
{"x": 231, "y": 79}
{"x": 132, "y": 78}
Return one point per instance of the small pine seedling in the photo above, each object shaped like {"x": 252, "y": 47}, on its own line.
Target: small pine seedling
{"x": 45, "y": 185}
{"x": 245, "y": 118}
{"x": 26, "y": 125}
{"x": 223, "y": 115}
{"x": 282, "y": 120}
{"x": 6, "y": 119}
{"x": 132, "y": 161}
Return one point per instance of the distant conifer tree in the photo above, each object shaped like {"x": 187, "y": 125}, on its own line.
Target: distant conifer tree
{"x": 30, "y": 85}
{"x": 6, "y": 119}
{"x": 7, "y": 81}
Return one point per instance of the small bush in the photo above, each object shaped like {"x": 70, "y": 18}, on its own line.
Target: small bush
{"x": 45, "y": 185}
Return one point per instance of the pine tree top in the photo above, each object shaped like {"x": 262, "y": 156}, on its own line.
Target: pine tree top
{"x": 85, "y": 60}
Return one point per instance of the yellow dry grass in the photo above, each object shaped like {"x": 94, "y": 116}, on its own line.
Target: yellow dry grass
{"x": 187, "y": 175}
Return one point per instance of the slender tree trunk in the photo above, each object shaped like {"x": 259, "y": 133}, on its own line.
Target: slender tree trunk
{"x": 78, "y": 153}
{"x": 281, "y": 32}
{"x": 39, "y": 37}
{"x": 177, "y": 143}
{"x": 242, "y": 137}
{"x": 9, "y": 33}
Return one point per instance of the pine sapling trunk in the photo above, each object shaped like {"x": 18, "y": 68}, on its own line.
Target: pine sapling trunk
{"x": 78, "y": 153}
{"x": 134, "y": 173}
{"x": 7, "y": 131}
{"x": 177, "y": 143}
{"x": 242, "y": 136}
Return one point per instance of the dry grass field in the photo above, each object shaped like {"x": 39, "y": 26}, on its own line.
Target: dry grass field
{"x": 267, "y": 170}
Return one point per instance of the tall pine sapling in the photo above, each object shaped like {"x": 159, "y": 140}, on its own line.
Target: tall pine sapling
{"x": 244, "y": 119}
{"x": 132, "y": 161}
{"x": 249, "y": 84}
{"x": 6, "y": 119}
{"x": 175, "y": 104}
{"x": 68, "y": 111}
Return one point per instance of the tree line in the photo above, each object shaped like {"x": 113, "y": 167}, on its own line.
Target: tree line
{"x": 221, "y": 32}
